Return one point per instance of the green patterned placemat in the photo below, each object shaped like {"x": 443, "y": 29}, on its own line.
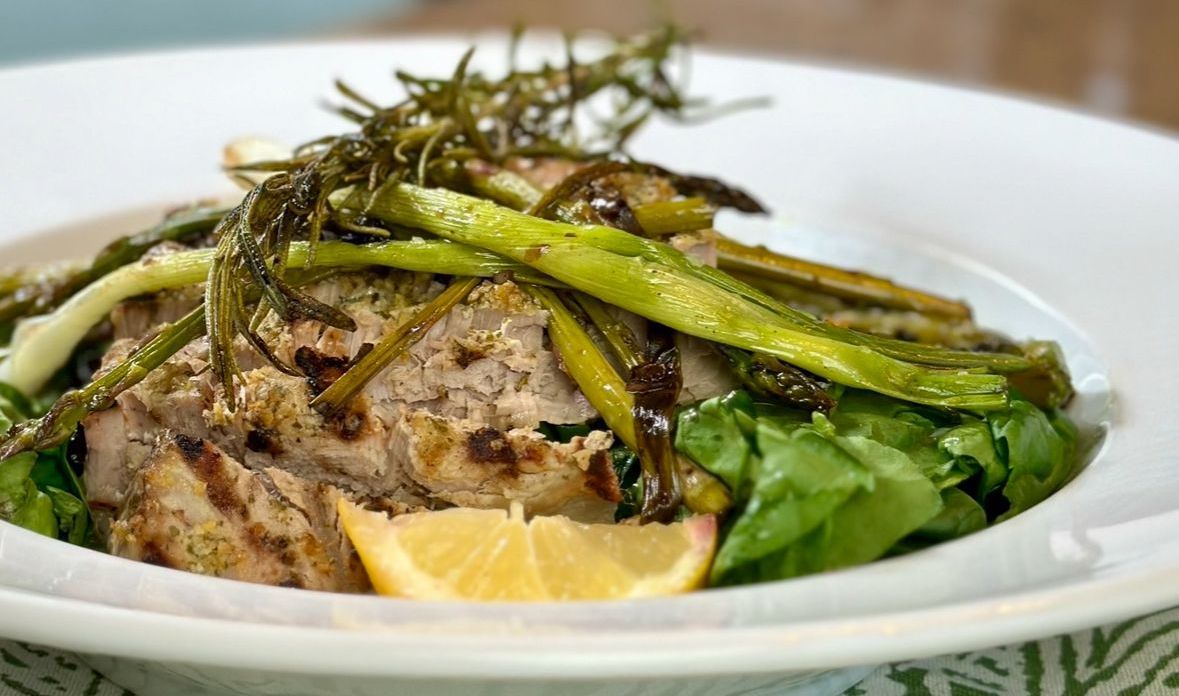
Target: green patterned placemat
{"x": 1140, "y": 656}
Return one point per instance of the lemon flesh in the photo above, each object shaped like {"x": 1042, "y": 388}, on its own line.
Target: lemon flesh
{"x": 491, "y": 555}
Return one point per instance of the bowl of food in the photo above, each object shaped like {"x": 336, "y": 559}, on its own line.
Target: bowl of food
{"x": 514, "y": 379}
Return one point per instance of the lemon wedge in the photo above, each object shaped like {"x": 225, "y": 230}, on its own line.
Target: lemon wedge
{"x": 490, "y": 555}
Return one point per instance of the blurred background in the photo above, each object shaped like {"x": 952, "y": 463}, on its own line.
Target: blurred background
{"x": 1114, "y": 57}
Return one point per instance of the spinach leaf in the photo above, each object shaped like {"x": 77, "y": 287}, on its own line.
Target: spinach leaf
{"x": 558, "y": 432}
{"x": 73, "y": 517}
{"x": 717, "y": 434}
{"x": 1038, "y": 451}
{"x": 14, "y": 406}
{"x": 800, "y": 479}
{"x": 40, "y": 491}
{"x": 973, "y": 446}
{"x": 960, "y": 515}
{"x": 13, "y": 474}
{"x": 36, "y": 513}
{"x": 628, "y": 470}
{"x": 876, "y": 476}
{"x": 898, "y": 424}
{"x": 907, "y": 427}
{"x": 20, "y": 501}
{"x": 870, "y": 522}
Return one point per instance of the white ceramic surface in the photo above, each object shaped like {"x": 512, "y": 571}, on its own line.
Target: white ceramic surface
{"x": 955, "y": 191}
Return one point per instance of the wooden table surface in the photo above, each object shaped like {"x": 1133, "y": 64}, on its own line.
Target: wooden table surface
{"x": 1116, "y": 57}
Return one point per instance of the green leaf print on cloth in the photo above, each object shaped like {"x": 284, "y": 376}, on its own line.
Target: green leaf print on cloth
{"x": 1140, "y": 656}
{"x": 28, "y": 670}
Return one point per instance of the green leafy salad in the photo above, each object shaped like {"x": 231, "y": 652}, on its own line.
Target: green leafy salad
{"x": 473, "y": 300}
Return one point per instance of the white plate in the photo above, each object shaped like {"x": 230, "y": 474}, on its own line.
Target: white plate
{"x": 948, "y": 189}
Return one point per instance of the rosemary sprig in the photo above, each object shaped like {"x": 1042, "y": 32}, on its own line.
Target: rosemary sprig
{"x": 439, "y": 126}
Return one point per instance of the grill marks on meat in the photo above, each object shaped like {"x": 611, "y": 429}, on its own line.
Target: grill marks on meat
{"x": 417, "y": 457}
{"x": 489, "y": 446}
{"x": 451, "y": 422}
{"x": 483, "y": 369}
{"x": 485, "y": 361}
{"x": 463, "y": 463}
{"x": 321, "y": 370}
{"x": 194, "y": 508}
{"x": 206, "y": 463}
{"x": 601, "y": 478}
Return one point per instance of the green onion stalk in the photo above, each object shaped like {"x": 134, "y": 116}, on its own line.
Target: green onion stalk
{"x": 661, "y": 284}
{"x": 607, "y": 393}
{"x": 39, "y": 295}
{"x": 41, "y": 345}
{"x": 59, "y": 424}
{"x": 771, "y": 268}
{"x": 63, "y": 417}
{"x": 761, "y": 262}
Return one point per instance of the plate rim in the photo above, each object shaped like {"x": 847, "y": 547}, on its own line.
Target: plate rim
{"x": 797, "y": 646}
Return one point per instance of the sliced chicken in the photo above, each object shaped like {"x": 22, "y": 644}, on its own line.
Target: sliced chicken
{"x": 192, "y": 507}
{"x": 472, "y": 465}
{"x": 484, "y": 366}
